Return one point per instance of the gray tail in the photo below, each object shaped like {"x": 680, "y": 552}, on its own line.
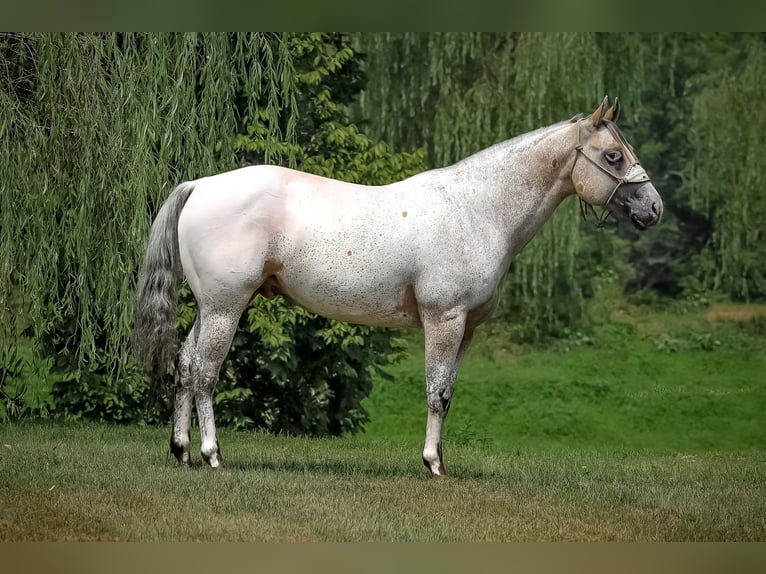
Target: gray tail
{"x": 154, "y": 333}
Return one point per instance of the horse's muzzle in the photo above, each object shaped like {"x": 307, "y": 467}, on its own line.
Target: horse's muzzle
{"x": 644, "y": 206}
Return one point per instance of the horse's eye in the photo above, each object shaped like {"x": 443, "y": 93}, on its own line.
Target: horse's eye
{"x": 613, "y": 156}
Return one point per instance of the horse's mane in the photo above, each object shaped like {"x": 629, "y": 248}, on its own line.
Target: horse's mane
{"x": 519, "y": 142}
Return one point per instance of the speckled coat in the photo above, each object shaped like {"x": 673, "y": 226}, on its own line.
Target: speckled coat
{"x": 428, "y": 251}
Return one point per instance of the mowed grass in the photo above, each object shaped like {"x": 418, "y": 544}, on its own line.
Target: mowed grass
{"x": 651, "y": 429}
{"x": 100, "y": 482}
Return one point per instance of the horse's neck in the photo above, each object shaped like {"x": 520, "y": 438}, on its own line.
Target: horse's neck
{"x": 519, "y": 183}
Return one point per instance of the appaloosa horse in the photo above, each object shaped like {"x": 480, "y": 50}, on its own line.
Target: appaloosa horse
{"x": 428, "y": 251}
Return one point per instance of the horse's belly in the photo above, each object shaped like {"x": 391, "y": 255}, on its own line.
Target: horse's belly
{"x": 353, "y": 300}
{"x": 362, "y": 316}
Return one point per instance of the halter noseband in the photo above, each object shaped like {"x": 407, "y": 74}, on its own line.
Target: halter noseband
{"x": 634, "y": 174}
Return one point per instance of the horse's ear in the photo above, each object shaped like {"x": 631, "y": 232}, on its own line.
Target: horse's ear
{"x": 598, "y": 115}
{"x": 614, "y": 112}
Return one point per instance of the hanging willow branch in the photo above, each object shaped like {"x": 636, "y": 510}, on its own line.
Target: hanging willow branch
{"x": 95, "y": 129}
{"x": 729, "y": 179}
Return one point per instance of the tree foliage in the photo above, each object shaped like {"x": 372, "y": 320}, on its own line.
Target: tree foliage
{"x": 665, "y": 261}
{"x": 95, "y": 129}
{"x": 456, "y": 93}
{"x": 137, "y": 114}
{"x": 727, "y": 176}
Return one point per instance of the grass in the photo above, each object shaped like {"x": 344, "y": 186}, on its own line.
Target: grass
{"x": 101, "y": 482}
{"x": 649, "y": 428}
{"x": 660, "y": 382}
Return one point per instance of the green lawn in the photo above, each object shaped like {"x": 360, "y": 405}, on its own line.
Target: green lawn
{"x": 649, "y": 429}
{"x": 99, "y": 482}
{"x": 692, "y": 388}
{"x": 692, "y": 401}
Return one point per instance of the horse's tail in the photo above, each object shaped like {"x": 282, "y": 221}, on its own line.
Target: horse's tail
{"x": 154, "y": 333}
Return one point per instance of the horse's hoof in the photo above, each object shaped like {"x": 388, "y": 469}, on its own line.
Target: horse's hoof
{"x": 436, "y": 471}
{"x": 211, "y": 454}
{"x": 439, "y": 473}
{"x": 214, "y": 460}
{"x": 183, "y": 460}
{"x": 181, "y": 453}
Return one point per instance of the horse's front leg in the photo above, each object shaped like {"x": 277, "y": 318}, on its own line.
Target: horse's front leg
{"x": 445, "y": 342}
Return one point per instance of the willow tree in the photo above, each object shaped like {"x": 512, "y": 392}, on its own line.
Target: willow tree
{"x": 95, "y": 129}
{"x": 728, "y": 179}
{"x": 457, "y": 93}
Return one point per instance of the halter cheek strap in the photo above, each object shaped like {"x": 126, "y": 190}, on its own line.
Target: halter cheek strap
{"x": 634, "y": 174}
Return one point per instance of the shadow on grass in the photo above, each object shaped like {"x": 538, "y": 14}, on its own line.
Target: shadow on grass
{"x": 328, "y": 467}
{"x": 340, "y": 467}
{"x": 334, "y": 458}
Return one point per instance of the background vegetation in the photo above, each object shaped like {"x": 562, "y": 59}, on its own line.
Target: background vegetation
{"x": 95, "y": 129}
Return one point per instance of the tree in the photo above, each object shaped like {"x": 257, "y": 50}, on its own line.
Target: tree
{"x": 96, "y": 129}
{"x": 727, "y": 180}
{"x": 674, "y": 67}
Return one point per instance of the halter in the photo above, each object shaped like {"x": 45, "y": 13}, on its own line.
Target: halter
{"x": 634, "y": 174}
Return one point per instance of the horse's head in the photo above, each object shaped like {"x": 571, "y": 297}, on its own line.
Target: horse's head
{"x": 606, "y": 171}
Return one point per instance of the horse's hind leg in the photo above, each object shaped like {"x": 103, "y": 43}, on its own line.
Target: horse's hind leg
{"x": 217, "y": 327}
{"x": 186, "y": 369}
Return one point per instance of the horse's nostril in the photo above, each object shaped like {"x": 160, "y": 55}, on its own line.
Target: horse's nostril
{"x": 655, "y": 208}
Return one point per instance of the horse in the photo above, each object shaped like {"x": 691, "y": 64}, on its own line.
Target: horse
{"x": 428, "y": 251}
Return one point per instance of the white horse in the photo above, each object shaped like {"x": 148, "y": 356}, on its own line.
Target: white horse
{"x": 428, "y": 251}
